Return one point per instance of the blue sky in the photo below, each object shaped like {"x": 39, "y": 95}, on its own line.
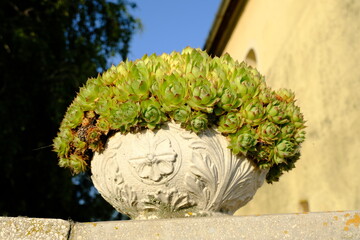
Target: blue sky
{"x": 170, "y": 25}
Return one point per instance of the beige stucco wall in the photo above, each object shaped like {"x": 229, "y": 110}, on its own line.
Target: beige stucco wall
{"x": 312, "y": 47}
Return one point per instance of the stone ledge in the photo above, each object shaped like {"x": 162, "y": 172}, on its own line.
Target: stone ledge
{"x": 23, "y": 228}
{"x": 330, "y": 225}
{"x": 311, "y": 226}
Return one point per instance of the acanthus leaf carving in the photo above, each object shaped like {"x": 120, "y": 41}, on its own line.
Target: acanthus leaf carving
{"x": 217, "y": 177}
{"x": 206, "y": 178}
{"x": 110, "y": 183}
{"x": 169, "y": 199}
{"x": 240, "y": 187}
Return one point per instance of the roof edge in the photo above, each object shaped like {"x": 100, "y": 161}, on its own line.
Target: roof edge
{"x": 223, "y": 26}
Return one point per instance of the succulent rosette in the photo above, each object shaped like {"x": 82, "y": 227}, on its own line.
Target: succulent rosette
{"x": 276, "y": 112}
{"x": 229, "y": 99}
{"x": 192, "y": 89}
{"x": 230, "y": 123}
{"x": 181, "y": 114}
{"x": 287, "y": 131}
{"x": 244, "y": 140}
{"x": 172, "y": 92}
{"x": 124, "y": 115}
{"x": 248, "y": 81}
{"x": 268, "y": 132}
{"x": 103, "y": 125}
{"x": 198, "y": 122}
{"x": 151, "y": 113}
{"x": 74, "y": 117}
{"x": 296, "y": 117}
{"x": 282, "y": 150}
{"x": 203, "y": 95}
{"x": 253, "y": 112}
{"x": 285, "y": 95}
{"x": 265, "y": 95}
{"x": 300, "y": 136}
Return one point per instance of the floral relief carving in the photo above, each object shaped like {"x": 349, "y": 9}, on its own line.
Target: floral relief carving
{"x": 153, "y": 157}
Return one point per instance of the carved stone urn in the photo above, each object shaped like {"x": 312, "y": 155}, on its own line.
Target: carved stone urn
{"x": 172, "y": 172}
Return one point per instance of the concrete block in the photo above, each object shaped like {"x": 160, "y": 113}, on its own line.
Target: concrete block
{"x": 311, "y": 226}
{"x": 22, "y": 228}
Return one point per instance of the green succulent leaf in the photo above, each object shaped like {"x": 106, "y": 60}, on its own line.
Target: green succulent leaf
{"x": 282, "y": 150}
{"x": 73, "y": 117}
{"x": 151, "y": 113}
{"x": 243, "y": 141}
{"x": 198, "y": 122}
{"x": 61, "y": 146}
{"x": 261, "y": 155}
{"x": 124, "y": 116}
{"x": 172, "y": 92}
{"x": 230, "y": 123}
{"x": 77, "y": 163}
{"x": 90, "y": 92}
{"x": 268, "y": 132}
{"x": 285, "y": 95}
{"x": 296, "y": 117}
{"x": 109, "y": 77}
{"x": 229, "y": 100}
{"x": 203, "y": 95}
{"x": 276, "y": 112}
{"x": 288, "y": 131}
{"x": 253, "y": 112}
{"x": 300, "y": 136}
{"x": 103, "y": 125}
{"x": 181, "y": 114}
{"x": 119, "y": 94}
{"x": 266, "y": 95}
{"x": 81, "y": 146}
{"x": 93, "y": 135}
{"x": 247, "y": 82}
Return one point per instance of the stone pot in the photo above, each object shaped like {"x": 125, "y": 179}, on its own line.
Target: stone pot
{"x": 172, "y": 172}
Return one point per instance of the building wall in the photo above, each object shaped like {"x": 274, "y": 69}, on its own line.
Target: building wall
{"x": 313, "y": 48}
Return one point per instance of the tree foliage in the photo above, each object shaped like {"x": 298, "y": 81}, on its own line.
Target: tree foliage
{"x": 48, "y": 48}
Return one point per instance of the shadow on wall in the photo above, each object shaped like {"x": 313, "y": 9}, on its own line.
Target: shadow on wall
{"x": 251, "y": 58}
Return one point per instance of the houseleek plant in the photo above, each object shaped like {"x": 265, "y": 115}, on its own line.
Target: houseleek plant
{"x": 192, "y": 89}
